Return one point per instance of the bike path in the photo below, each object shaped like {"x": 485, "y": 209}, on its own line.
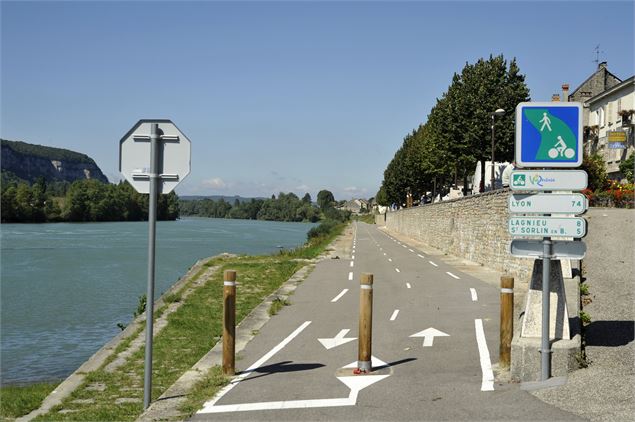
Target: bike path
{"x": 294, "y": 377}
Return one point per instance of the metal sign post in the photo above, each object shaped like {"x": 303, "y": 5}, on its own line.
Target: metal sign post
{"x": 547, "y": 135}
{"x": 169, "y": 151}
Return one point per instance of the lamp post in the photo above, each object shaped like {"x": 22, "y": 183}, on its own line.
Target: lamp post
{"x": 498, "y": 112}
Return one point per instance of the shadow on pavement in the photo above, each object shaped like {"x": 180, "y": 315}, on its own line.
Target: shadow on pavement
{"x": 610, "y": 333}
{"x": 280, "y": 367}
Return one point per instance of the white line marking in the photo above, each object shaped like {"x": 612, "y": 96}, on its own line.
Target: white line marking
{"x": 420, "y": 256}
{"x": 452, "y": 275}
{"x": 397, "y": 269}
{"x": 352, "y": 256}
{"x": 352, "y": 263}
{"x": 403, "y": 246}
{"x": 487, "y": 383}
{"x": 411, "y": 250}
{"x": 474, "y": 295}
{"x": 389, "y": 259}
{"x": 384, "y": 253}
{"x": 432, "y": 263}
{"x": 408, "y": 285}
{"x": 350, "y": 275}
{"x": 394, "y": 315}
{"x": 342, "y": 293}
{"x": 209, "y": 405}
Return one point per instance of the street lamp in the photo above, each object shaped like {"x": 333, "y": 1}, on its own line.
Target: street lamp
{"x": 498, "y": 112}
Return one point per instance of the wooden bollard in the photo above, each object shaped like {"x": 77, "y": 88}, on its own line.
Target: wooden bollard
{"x": 229, "y": 322}
{"x": 365, "y": 324}
{"x": 507, "y": 320}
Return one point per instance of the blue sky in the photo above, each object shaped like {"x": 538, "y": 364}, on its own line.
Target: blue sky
{"x": 278, "y": 96}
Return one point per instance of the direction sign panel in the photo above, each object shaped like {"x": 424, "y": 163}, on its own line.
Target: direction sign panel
{"x": 134, "y": 156}
{"x": 549, "y": 134}
{"x": 523, "y": 248}
{"x": 544, "y": 180}
{"x": 547, "y": 203}
{"x": 547, "y": 226}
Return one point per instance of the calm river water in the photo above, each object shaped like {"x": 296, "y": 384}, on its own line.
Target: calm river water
{"x": 64, "y": 287}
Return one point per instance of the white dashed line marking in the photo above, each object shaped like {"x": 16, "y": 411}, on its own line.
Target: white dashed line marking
{"x": 352, "y": 263}
{"x": 352, "y": 256}
{"x": 420, "y": 256}
{"x": 408, "y": 285}
{"x": 452, "y": 275}
{"x": 411, "y": 250}
{"x": 342, "y": 293}
{"x": 350, "y": 275}
{"x": 394, "y": 315}
{"x": 432, "y": 263}
{"x": 384, "y": 253}
{"x": 474, "y": 295}
{"x": 397, "y": 269}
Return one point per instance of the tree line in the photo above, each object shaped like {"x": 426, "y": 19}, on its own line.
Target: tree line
{"x": 284, "y": 207}
{"x": 457, "y": 133}
{"x": 80, "y": 201}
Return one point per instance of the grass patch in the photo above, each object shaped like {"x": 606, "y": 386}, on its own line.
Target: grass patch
{"x": 206, "y": 388}
{"x": 192, "y": 330}
{"x": 277, "y": 304}
{"x": 585, "y": 318}
{"x": 365, "y": 218}
{"x": 19, "y": 400}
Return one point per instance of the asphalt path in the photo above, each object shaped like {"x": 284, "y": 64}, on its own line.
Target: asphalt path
{"x": 288, "y": 374}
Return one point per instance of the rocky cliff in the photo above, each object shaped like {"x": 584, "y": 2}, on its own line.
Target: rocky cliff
{"x": 29, "y": 161}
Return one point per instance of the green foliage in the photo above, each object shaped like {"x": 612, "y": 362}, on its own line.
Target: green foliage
{"x": 596, "y": 170}
{"x": 585, "y": 318}
{"x": 584, "y": 289}
{"x": 50, "y": 153}
{"x": 286, "y": 207}
{"x": 457, "y": 133}
{"x": 84, "y": 200}
{"x": 627, "y": 168}
{"x": 16, "y": 401}
{"x": 325, "y": 199}
{"x": 277, "y": 304}
{"x": 141, "y": 306}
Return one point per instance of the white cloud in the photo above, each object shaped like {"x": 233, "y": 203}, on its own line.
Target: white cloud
{"x": 215, "y": 183}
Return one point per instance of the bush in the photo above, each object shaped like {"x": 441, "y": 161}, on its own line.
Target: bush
{"x": 324, "y": 229}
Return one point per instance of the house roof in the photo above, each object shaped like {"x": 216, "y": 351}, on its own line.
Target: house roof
{"x": 591, "y": 76}
{"x": 611, "y": 90}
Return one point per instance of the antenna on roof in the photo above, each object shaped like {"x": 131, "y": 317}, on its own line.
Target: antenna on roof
{"x": 597, "y": 54}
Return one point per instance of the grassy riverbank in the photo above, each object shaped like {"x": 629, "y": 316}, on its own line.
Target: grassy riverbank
{"x": 115, "y": 393}
{"x": 19, "y": 400}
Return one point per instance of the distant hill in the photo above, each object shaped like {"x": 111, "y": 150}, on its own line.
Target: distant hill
{"x": 229, "y": 199}
{"x": 26, "y": 161}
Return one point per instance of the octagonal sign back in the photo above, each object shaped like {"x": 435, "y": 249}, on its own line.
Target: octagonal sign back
{"x": 174, "y": 156}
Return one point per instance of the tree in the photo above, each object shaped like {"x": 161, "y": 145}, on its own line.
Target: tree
{"x": 306, "y": 198}
{"x": 596, "y": 171}
{"x": 325, "y": 199}
{"x": 627, "y": 167}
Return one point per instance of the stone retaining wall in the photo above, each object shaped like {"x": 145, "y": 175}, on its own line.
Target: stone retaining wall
{"x": 474, "y": 228}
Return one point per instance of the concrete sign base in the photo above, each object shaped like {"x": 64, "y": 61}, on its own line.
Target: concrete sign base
{"x": 559, "y": 321}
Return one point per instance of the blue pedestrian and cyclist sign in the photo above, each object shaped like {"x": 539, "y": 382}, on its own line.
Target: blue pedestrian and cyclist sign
{"x": 549, "y": 134}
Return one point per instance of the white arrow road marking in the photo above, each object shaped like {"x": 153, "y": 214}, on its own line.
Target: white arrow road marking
{"x": 394, "y": 315}
{"x": 474, "y": 296}
{"x": 350, "y": 275}
{"x": 338, "y": 340}
{"x": 342, "y": 293}
{"x": 487, "y": 383}
{"x": 452, "y": 275}
{"x": 428, "y": 335}
{"x": 432, "y": 263}
{"x": 355, "y": 383}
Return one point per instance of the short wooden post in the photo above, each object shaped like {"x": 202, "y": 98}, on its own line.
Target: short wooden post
{"x": 507, "y": 320}
{"x": 229, "y": 322}
{"x": 365, "y": 324}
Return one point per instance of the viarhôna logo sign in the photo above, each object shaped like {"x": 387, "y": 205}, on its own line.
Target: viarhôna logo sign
{"x": 545, "y": 180}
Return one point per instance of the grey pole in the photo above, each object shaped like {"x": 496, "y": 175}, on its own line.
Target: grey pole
{"x": 546, "y": 277}
{"x": 155, "y": 136}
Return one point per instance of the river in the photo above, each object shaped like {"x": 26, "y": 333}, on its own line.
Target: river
{"x": 64, "y": 287}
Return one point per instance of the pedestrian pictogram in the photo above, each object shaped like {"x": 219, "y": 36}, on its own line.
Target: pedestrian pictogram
{"x": 549, "y": 134}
